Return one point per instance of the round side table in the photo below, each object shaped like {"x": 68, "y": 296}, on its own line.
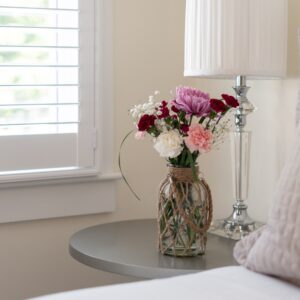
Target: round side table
{"x": 130, "y": 248}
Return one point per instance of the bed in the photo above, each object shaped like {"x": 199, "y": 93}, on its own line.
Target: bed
{"x": 232, "y": 283}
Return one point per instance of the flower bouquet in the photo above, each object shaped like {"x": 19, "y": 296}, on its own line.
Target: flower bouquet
{"x": 182, "y": 129}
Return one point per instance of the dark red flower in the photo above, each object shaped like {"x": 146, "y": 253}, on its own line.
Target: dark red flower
{"x": 184, "y": 128}
{"x": 145, "y": 122}
{"x": 174, "y": 109}
{"x": 218, "y": 105}
{"x": 230, "y": 100}
{"x": 164, "y": 103}
{"x": 164, "y": 112}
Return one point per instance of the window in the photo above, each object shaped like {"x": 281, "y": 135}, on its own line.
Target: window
{"x": 52, "y": 114}
{"x": 47, "y": 90}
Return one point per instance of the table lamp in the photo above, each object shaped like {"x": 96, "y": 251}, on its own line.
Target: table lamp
{"x": 237, "y": 39}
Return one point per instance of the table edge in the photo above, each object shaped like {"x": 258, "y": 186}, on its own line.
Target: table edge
{"x": 125, "y": 269}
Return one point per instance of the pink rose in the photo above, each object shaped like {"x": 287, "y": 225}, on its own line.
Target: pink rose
{"x": 198, "y": 139}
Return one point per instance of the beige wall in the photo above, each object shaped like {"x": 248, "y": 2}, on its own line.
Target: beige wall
{"x": 148, "y": 55}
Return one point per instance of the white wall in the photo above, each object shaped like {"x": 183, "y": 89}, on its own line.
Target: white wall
{"x": 148, "y": 56}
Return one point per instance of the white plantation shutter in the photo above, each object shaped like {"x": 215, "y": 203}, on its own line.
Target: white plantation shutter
{"x": 47, "y": 99}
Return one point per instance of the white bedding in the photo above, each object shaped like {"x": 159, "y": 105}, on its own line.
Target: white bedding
{"x": 232, "y": 283}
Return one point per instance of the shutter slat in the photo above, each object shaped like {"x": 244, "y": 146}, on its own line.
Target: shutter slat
{"x": 39, "y": 27}
{"x": 37, "y": 85}
{"x": 38, "y": 66}
{"x": 39, "y": 104}
{"x": 37, "y": 123}
{"x": 36, "y": 46}
{"x": 38, "y": 8}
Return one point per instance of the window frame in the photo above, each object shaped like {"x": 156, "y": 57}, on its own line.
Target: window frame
{"x": 76, "y": 194}
{"x": 102, "y": 168}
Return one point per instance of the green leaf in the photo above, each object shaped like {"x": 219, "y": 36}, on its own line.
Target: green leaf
{"x": 174, "y": 161}
{"x": 153, "y": 131}
{"x": 175, "y": 124}
{"x": 195, "y": 155}
{"x": 183, "y": 157}
{"x": 181, "y": 115}
{"x": 168, "y": 120}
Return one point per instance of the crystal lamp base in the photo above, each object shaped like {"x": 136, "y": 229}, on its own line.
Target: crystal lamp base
{"x": 237, "y": 225}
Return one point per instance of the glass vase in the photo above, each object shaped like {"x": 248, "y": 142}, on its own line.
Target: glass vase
{"x": 184, "y": 213}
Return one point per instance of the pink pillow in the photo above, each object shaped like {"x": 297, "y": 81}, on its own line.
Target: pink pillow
{"x": 275, "y": 249}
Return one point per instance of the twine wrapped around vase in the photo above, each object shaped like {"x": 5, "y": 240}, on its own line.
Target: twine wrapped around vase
{"x": 184, "y": 214}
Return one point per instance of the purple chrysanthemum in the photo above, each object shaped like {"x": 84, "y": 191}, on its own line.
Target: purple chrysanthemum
{"x": 192, "y": 101}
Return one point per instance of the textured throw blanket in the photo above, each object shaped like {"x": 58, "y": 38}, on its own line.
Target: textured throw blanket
{"x": 275, "y": 249}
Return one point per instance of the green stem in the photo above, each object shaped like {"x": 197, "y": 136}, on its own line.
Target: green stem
{"x": 207, "y": 125}
{"x": 192, "y": 165}
{"x": 214, "y": 128}
{"x": 202, "y": 120}
{"x": 191, "y": 119}
{"x": 120, "y": 165}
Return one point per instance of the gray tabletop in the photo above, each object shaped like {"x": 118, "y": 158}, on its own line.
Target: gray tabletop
{"x": 130, "y": 248}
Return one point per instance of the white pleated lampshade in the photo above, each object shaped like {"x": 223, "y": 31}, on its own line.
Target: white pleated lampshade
{"x": 228, "y": 38}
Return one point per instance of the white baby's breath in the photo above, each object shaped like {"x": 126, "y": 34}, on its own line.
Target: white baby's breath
{"x": 148, "y": 108}
{"x": 161, "y": 125}
{"x": 221, "y": 130}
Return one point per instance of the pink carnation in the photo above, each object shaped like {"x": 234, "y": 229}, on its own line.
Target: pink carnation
{"x": 140, "y": 135}
{"x": 198, "y": 139}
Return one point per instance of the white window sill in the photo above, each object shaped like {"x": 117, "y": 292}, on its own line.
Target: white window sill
{"x": 57, "y": 198}
{"x": 43, "y": 178}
